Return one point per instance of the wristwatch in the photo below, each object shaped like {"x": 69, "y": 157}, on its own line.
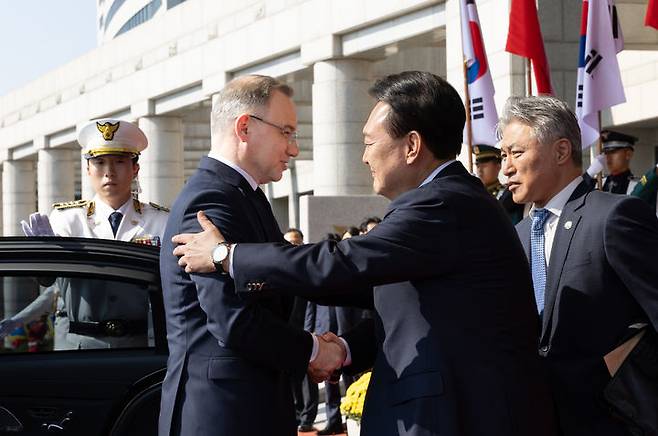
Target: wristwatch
{"x": 219, "y": 254}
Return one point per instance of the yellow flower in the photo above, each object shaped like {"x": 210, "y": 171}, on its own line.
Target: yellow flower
{"x": 352, "y": 404}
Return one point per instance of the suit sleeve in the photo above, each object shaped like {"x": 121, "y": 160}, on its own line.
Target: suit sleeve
{"x": 240, "y": 322}
{"x": 631, "y": 246}
{"x": 411, "y": 243}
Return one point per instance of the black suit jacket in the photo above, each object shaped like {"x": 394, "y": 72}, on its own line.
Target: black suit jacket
{"x": 453, "y": 339}
{"x": 230, "y": 356}
{"x": 602, "y": 277}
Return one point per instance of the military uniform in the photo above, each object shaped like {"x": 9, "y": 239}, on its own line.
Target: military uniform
{"x": 97, "y": 313}
{"x": 141, "y": 222}
{"x": 647, "y": 188}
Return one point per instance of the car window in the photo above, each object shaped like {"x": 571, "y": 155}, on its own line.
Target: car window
{"x": 58, "y": 313}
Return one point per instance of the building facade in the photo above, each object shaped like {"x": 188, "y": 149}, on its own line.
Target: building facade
{"x": 171, "y": 57}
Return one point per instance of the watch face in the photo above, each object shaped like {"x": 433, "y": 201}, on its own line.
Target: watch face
{"x": 219, "y": 253}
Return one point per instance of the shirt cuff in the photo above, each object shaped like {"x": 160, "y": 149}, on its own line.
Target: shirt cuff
{"x": 348, "y": 354}
{"x": 230, "y": 260}
{"x": 316, "y": 346}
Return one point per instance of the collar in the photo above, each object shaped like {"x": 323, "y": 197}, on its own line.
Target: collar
{"x": 103, "y": 210}
{"x": 625, "y": 175}
{"x": 436, "y": 171}
{"x": 556, "y": 204}
{"x": 252, "y": 182}
{"x": 495, "y": 187}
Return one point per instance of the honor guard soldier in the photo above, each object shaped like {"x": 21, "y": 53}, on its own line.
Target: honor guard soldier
{"x": 112, "y": 149}
{"x": 618, "y": 150}
{"x": 488, "y": 164}
{"x": 97, "y": 314}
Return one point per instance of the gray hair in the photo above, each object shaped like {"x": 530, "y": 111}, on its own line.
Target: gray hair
{"x": 241, "y": 95}
{"x": 549, "y": 118}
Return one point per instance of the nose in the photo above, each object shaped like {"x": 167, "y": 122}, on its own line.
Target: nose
{"x": 364, "y": 157}
{"x": 293, "y": 149}
{"x": 508, "y": 167}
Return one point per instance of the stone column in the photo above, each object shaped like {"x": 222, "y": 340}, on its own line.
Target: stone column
{"x": 18, "y": 194}
{"x": 55, "y": 176}
{"x": 340, "y": 107}
{"x": 161, "y": 164}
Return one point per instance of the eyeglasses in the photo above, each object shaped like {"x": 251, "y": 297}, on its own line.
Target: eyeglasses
{"x": 291, "y": 135}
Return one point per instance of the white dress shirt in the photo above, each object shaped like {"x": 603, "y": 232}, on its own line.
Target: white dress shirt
{"x": 555, "y": 205}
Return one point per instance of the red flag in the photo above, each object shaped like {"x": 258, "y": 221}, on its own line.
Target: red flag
{"x": 651, "y": 19}
{"x": 524, "y": 39}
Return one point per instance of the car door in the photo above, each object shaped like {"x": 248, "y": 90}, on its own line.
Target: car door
{"x": 93, "y": 376}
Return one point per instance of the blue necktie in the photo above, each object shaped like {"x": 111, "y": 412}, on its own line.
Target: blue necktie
{"x": 115, "y": 220}
{"x": 537, "y": 256}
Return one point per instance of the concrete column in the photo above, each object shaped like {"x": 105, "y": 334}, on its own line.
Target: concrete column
{"x": 55, "y": 176}
{"x": 162, "y": 165}
{"x": 560, "y": 27}
{"x": 18, "y": 194}
{"x": 340, "y": 107}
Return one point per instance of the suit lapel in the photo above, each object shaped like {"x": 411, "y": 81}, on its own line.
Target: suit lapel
{"x": 567, "y": 226}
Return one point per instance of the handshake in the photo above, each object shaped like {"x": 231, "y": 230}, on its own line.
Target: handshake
{"x": 329, "y": 360}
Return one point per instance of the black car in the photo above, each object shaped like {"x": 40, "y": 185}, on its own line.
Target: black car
{"x": 50, "y": 380}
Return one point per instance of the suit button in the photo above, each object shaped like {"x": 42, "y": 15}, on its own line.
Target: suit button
{"x": 250, "y": 286}
{"x": 544, "y": 349}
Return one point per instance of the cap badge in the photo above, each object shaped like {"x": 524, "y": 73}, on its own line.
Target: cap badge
{"x": 107, "y": 129}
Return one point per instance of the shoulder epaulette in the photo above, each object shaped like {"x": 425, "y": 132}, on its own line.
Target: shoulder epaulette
{"x": 71, "y": 204}
{"x": 158, "y": 207}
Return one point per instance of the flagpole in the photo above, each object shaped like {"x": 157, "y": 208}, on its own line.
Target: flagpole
{"x": 599, "y": 150}
{"x": 469, "y": 131}
{"x": 528, "y": 76}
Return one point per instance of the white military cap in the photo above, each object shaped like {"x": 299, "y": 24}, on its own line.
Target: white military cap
{"x": 111, "y": 136}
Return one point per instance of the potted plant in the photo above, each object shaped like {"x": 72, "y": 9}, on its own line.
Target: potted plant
{"x": 352, "y": 404}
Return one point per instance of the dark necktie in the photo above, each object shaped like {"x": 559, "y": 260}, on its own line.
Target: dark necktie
{"x": 115, "y": 220}
{"x": 537, "y": 255}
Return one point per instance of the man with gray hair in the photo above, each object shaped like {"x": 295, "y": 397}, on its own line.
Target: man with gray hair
{"x": 231, "y": 358}
{"x": 592, "y": 256}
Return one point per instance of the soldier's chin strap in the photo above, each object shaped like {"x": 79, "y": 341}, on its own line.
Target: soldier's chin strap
{"x": 38, "y": 225}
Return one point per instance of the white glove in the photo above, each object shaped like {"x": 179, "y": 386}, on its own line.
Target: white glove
{"x": 39, "y": 225}
{"x": 9, "y": 325}
{"x": 598, "y": 165}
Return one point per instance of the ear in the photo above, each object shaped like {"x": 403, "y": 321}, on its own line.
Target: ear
{"x": 563, "y": 151}
{"x": 629, "y": 154}
{"x": 413, "y": 144}
{"x": 135, "y": 170}
{"x": 240, "y": 127}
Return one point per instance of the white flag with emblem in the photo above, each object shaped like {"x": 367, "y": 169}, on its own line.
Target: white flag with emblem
{"x": 599, "y": 81}
{"x": 478, "y": 77}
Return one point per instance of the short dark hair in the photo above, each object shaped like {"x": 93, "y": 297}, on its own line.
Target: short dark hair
{"x": 363, "y": 227}
{"x": 295, "y": 230}
{"x": 332, "y": 237}
{"x": 426, "y": 103}
{"x": 352, "y": 231}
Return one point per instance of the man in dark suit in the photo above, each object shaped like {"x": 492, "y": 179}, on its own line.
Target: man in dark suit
{"x": 592, "y": 257}
{"x": 231, "y": 357}
{"x": 453, "y": 339}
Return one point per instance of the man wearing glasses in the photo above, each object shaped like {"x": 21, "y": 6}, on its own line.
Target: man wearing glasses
{"x": 232, "y": 359}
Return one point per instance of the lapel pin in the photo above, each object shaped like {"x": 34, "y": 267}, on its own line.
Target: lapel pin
{"x": 568, "y": 225}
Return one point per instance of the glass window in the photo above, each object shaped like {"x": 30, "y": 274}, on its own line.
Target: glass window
{"x": 48, "y": 313}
